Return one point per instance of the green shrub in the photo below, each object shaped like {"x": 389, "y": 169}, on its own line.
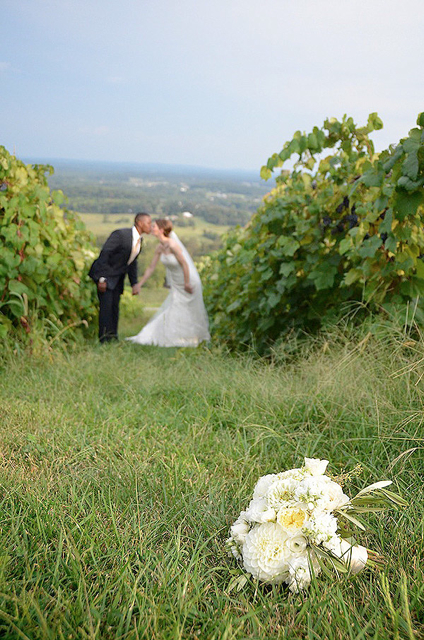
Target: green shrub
{"x": 345, "y": 229}
{"x": 45, "y": 254}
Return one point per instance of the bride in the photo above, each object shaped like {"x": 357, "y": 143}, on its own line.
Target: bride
{"x": 182, "y": 320}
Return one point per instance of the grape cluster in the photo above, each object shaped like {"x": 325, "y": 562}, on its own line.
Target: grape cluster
{"x": 350, "y": 218}
{"x": 339, "y": 228}
{"x": 344, "y": 205}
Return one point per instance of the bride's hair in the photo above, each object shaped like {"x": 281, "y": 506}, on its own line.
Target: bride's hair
{"x": 165, "y": 226}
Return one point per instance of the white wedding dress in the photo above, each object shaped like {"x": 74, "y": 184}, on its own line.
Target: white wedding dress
{"x": 182, "y": 320}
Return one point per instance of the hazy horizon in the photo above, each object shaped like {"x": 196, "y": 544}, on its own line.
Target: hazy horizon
{"x": 171, "y": 167}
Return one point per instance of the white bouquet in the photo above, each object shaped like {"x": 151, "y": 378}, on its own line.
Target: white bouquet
{"x": 295, "y": 526}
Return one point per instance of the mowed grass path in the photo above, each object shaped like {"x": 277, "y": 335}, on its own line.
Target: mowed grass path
{"x": 122, "y": 468}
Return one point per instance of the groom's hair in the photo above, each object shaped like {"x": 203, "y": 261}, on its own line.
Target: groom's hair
{"x": 165, "y": 225}
{"x": 140, "y": 215}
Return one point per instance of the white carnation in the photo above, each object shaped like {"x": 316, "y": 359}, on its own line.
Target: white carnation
{"x": 310, "y": 492}
{"x": 259, "y": 511}
{"x": 320, "y": 492}
{"x": 265, "y": 554}
{"x": 281, "y": 493}
{"x": 321, "y": 527}
{"x": 315, "y": 466}
{"x": 262, "y": 485}
{"x": 293, "y": 474}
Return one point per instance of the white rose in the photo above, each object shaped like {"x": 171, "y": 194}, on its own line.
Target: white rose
{"x": 333, "y": 496}
{"x": 259, "y": 511}
{"x": 292, "y": 519}
{"x": 315, "y": 466}
{"x": 265, "y": 554}
{"x": 262, "y": 485}
{"x": 296, "y": 545}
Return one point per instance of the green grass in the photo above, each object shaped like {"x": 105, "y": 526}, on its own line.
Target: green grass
{"x": 122, "y": 468}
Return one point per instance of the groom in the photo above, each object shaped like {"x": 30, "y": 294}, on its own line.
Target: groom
{"x": 117, "y": 258}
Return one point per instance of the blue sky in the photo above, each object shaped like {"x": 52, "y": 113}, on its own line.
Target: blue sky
{"x": 220, "y": 83}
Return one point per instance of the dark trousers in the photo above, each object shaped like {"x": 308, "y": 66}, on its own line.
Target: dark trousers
{"x": 109, "y": 314}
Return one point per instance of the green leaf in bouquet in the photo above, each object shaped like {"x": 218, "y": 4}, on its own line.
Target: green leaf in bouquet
{"x": 333, "y": 560}
{"x": 393, "y": 497}
{"x": 370, "y": 509}
{"x": 369, "y": 503}
{"x": 326, "y": 571}
{"x": 348, "y": 516}
{"x": 375, "y": 485}
{"x": 344, "y": 530}
{"x": 369, "y": 499}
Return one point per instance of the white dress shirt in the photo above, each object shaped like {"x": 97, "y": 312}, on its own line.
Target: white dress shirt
{"x": 136, "y": 244}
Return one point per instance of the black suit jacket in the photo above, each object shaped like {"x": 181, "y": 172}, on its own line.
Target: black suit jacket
{"x": 112, "y": 262}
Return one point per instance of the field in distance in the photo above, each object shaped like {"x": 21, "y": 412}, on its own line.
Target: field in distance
{"x": 220, "y": 197}
{"x": 206, "y": 234}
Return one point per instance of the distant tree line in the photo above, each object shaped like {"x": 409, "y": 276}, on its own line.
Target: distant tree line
{"x": 228, "y": 203}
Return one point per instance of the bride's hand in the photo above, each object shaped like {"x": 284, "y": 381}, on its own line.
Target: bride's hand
{"x": 188, "y": 288}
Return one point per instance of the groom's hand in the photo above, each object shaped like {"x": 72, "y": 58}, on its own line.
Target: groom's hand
{"x": 136, "y": 289}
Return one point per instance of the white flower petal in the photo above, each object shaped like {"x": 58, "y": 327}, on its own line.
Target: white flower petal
{"x": 265, "y": 554}
{"x": 315, "y": 466}
{"x": 262, "y": 485}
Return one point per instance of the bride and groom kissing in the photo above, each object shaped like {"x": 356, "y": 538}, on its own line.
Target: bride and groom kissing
{"x": 182, "y": 320}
